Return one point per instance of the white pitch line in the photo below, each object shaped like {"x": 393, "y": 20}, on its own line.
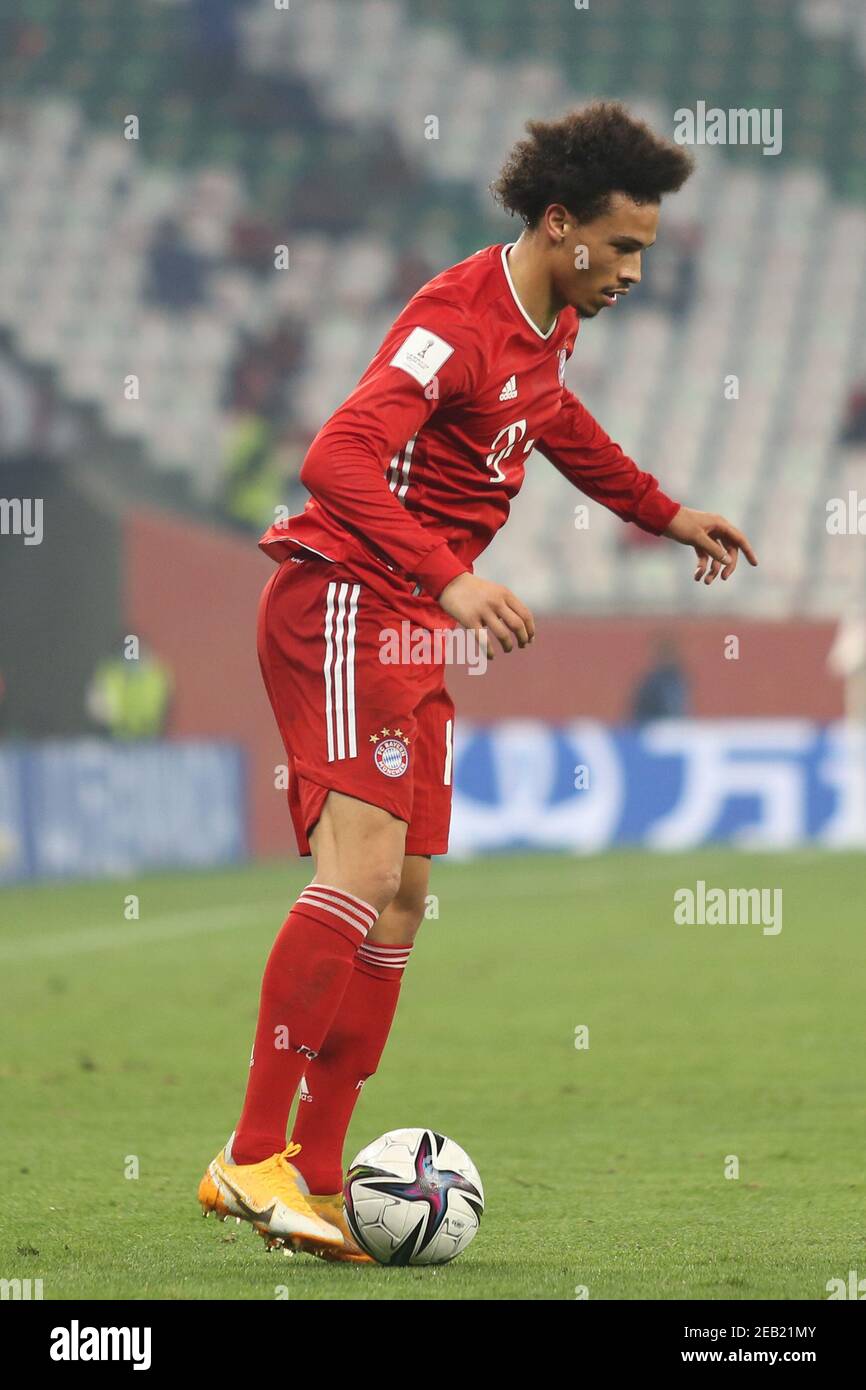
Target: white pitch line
{"x": 141, "y": 933}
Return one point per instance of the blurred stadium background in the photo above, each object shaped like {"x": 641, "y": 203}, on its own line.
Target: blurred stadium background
{"x": 161, "y": 377}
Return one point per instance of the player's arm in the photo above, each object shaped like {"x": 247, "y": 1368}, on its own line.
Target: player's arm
{"x": 581, "y": 450}
{"x": 421, "y": 365}
{"x": 345, "y": 467}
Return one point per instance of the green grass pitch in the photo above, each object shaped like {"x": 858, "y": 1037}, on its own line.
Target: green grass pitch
{"x": 604, "y": 1167}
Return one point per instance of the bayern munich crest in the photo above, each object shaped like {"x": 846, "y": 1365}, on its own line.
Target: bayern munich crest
{"x": 391, "y": 754}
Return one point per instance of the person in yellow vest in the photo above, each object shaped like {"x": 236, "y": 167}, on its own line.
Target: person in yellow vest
{"x": 262, "y": 469}
{"x": 129, "y": 694}
{"x": 252, "y": 479}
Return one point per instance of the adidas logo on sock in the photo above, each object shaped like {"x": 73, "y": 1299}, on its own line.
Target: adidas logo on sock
{"x": 509, "y": 390}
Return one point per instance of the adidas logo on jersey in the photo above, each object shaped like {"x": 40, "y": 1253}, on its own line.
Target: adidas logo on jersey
{"x": 509, "y": 390}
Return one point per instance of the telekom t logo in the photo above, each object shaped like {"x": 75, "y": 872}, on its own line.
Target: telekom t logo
{"x": 508, "y": 436}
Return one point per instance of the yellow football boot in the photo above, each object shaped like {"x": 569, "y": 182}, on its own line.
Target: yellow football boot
{"x": 270, "y": 1195}
{"x": 332, "y": 1210}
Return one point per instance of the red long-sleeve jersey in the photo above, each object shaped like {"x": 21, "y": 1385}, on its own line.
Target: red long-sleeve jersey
{"x": 414, "y": 473}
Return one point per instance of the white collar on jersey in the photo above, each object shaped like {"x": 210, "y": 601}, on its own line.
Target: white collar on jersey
{"x": 533, "y": 326}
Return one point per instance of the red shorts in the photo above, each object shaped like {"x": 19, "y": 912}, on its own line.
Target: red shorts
{"x": 350, "y": 721}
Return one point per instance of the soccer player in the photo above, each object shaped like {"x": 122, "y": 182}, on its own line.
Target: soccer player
{"x": 410, "y": 479}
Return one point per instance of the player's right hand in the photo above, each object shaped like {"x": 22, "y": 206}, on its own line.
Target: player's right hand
{"x": 480, "y": 605}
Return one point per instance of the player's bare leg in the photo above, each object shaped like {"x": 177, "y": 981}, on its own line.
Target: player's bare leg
{"x": 359, "y": 848}
{"x": 401, "y": 920}
{"x": 350, "y": 1053}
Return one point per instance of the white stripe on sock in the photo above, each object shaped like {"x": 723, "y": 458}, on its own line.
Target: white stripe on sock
{"x": 361, "y": 917}
{"x": 350, "y": 898}
{"x": 335, "y": 912}
{"x": 392, "y": 959}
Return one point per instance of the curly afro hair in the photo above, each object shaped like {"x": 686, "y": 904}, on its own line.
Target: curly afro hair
{"x": 584, "y": 157}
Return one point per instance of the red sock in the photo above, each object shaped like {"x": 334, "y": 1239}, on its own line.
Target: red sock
{"x": 306, "y": 976}
{"x": 349, "y": 1054}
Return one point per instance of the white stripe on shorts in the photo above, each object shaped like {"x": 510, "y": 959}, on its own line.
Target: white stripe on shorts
{"x": 339, "y": 670}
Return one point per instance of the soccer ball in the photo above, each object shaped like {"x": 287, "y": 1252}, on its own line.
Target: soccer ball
{"x": 413, "y": 1197}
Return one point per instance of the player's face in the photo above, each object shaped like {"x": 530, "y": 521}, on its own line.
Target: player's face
{"x": 600, "y": 260}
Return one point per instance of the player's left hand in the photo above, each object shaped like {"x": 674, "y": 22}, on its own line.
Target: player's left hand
{"x": 716, "y": 542}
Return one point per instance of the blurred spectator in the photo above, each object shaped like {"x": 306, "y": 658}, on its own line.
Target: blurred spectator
{"x": 263, "y": 454}
{"x": 291, "y": 451}
{"x": 128, "y": 697}
{"x": 663, "y": 691}
{"x": 357, "y": 164}
{"x": 410, "y": 273}
{"x": 260, "y": 374}
{"x": 251, "y": 484}
{"x": 669, "y": 271}
{"x": 253, "y": 243}
{"x": 854, "y": 428}
{"x": 176, "y": 274}
{"x": 213, "y": 50}
{"x": 17, "y": 409}
{"x": 24, "y": 40}
{"x": 33, "y": 417}
{"x": 262, "y": 472}
{"x": 270, "y": 103}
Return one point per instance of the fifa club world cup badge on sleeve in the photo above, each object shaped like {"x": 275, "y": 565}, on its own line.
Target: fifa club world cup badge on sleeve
{"x": 391, "y": 752}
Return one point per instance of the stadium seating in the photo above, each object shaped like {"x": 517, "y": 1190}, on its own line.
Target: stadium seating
{"x": 93, "y": 224}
